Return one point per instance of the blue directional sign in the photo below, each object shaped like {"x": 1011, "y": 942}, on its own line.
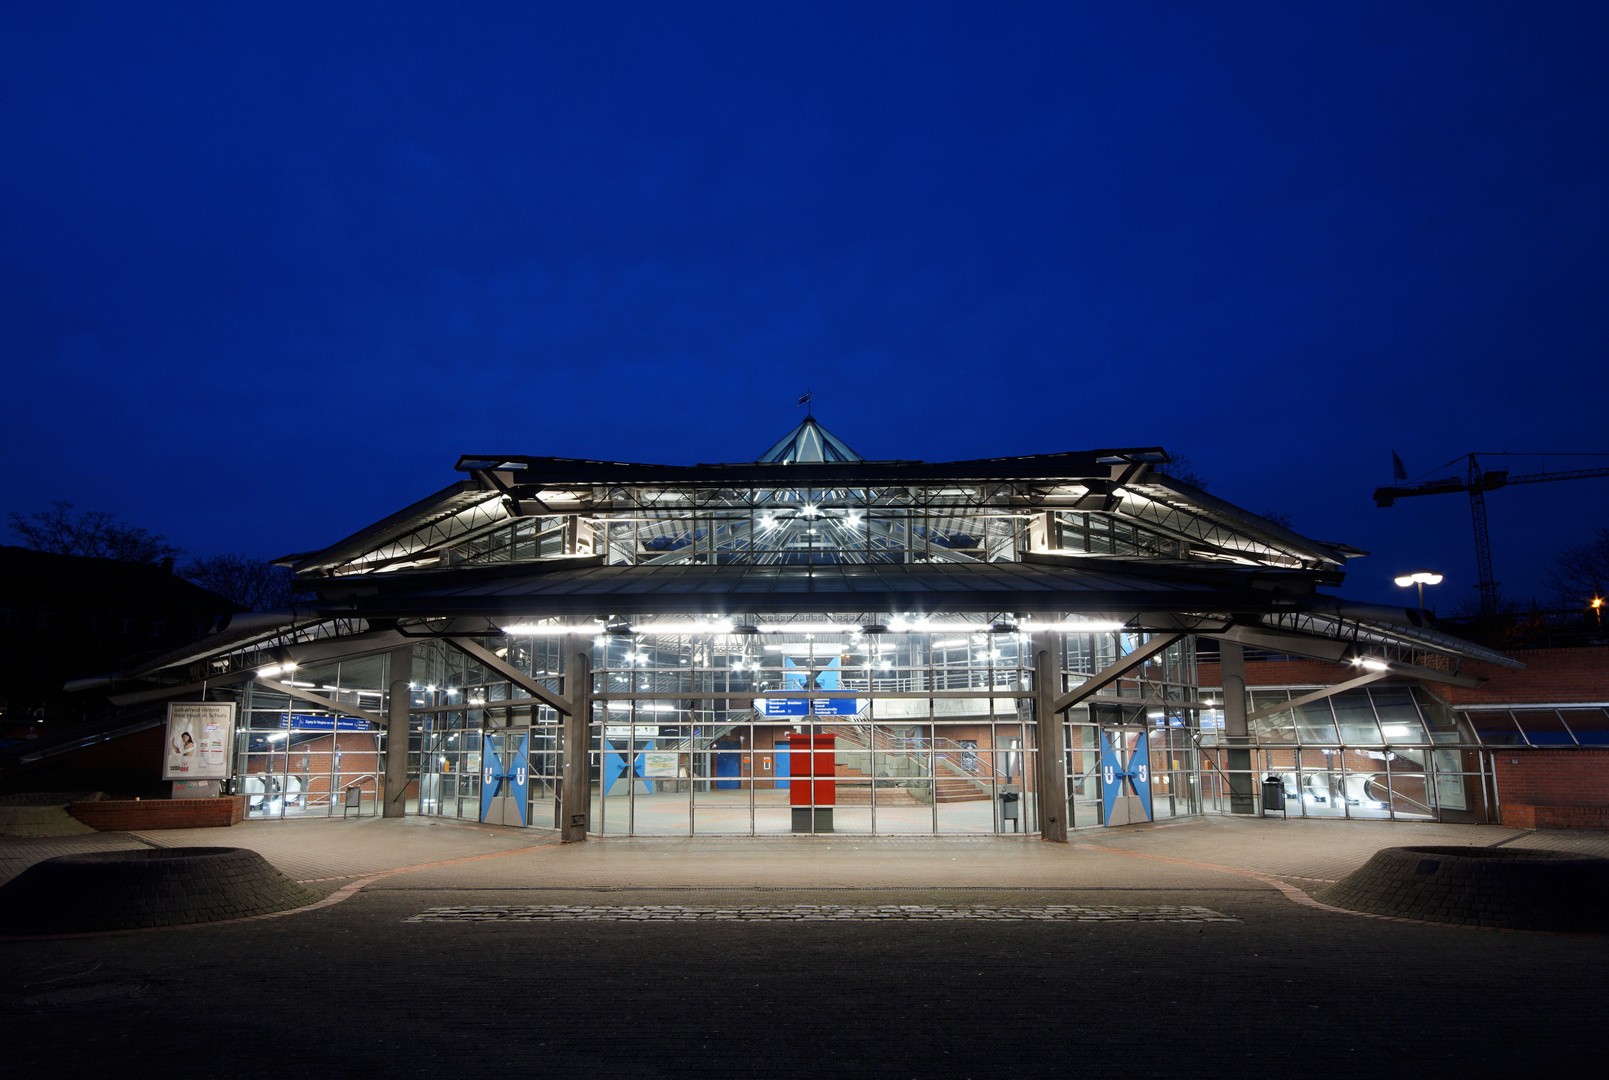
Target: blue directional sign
{"x": 508, "y": 777}
{"x": 796, "y": 678}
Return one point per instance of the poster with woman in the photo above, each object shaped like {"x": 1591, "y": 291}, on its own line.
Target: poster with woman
{"x": 199, "y": 737}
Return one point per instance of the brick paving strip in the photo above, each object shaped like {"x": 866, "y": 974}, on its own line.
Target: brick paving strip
{"x": 813, "y": 913}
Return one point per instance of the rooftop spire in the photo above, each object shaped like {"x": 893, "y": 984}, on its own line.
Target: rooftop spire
{"x": 808, "y": 442}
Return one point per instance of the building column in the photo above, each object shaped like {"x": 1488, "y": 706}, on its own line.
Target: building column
{"x": 1232, "y": 662}
{"x": 575, "y": 802}
{"x": 1051, "y": 742}
{"x": 398, "y": 695}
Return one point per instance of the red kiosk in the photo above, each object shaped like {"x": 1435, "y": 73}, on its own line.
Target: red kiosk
{"x": 812, "y": 785}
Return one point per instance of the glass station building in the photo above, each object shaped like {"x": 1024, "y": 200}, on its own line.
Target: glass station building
{"x": 816, "y": 642}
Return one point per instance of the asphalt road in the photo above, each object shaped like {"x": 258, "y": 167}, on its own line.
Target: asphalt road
{"x": 358, "y": 990}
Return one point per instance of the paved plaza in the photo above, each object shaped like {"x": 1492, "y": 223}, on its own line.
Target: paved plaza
{"x": 1185, "y": 948}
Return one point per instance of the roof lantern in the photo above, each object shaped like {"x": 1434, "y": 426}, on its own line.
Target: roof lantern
{"x": 808, "y": 442}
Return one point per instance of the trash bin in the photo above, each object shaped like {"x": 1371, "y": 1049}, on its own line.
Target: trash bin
{"x": 1010, "y": 810}
{"x": 1274, "y": 795}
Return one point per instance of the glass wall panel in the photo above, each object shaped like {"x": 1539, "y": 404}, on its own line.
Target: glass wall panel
{"x": 1355, "y": 719}
{"x": 1315, "y": 723}
{"x": 1495, "y": 727}
{"x": 1543, "y": 727}
{"x": 1399, "y": 715}
{"x": 1279, "y": 727}
{"x": 1589, "y": 726}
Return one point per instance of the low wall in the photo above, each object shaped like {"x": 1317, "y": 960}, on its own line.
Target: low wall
{"x": 1553, "y": 789}
{"x": 1556, "y": 817}
{"x": 127, "y": 815}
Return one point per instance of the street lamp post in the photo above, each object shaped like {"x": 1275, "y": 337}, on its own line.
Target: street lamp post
{"x": 1421, "y": 578}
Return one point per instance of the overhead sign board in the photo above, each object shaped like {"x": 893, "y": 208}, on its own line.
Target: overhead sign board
{"x": 323, "y": 723}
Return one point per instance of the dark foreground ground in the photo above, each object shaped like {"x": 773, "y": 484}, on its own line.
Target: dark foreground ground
{"x": 356, "y": 990}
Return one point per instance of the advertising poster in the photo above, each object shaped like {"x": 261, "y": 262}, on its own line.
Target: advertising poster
{"x": 199, "y": 739}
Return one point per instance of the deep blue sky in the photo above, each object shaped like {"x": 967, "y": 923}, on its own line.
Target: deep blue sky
{"x": 266, "y": 270}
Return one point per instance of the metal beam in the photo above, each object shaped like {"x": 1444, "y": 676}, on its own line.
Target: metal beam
{"x": 1340, "y": 687}
{"x": 323, "y": 702}
{"x": 1283, "y": 641}
{"x": 162, "y": 693}
{"x": 1414, "y": 671}
{"x": 1112, "y": 672}
{"x": 512, "y": 674}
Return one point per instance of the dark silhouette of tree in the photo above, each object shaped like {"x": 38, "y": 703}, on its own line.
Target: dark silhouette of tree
{"x": 249, "y": 582}
{"x": 1183, "y": 470}
{"x": 95, "y": 534}
{"x": 1580, "y": 573}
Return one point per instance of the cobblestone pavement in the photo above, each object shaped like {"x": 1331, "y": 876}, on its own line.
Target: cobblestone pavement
{"x": 359, "y": 989}
{"x": 17, "y": 853}
{"x": 812, "y": 913}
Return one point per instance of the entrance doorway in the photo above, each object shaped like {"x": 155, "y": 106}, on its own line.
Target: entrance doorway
{"x": 1125, "y": 775}
{"x": 505, "y": 766}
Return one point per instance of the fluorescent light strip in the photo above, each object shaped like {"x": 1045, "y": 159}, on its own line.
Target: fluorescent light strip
{"x": 896, "y": 625}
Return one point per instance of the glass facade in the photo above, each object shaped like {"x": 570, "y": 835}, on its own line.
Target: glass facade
{"x": 931, "y": 730}
{"x": 1383, "y": 751}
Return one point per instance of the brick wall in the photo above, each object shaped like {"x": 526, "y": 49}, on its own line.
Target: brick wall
{"x": 1280, "y": 673}
{"x": 118, "y": 815}
{"x": 1550, "y": 675}
{"x": 1555, "y": 676}
{"x": 1554, "y": 789}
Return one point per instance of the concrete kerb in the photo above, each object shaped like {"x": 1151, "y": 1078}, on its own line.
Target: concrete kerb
{"x": 346, "y": 892}
{"x": 1296, "y": 895}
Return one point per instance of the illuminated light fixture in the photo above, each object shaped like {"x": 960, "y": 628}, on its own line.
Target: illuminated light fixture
{"x": 1369, "y": 663}
{"x": 277, "y": 669}
{"x": 810, "y": 628}
{"x": 541, "y": 629}
{"x": 1072, "y": 626}
{"x": 811, "y": 510}
{"x": 1421, "y": 578}
{"x": 1155, "y": 714}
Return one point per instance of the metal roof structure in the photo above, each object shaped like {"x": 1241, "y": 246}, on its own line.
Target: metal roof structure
{"x": 812, "y": 528}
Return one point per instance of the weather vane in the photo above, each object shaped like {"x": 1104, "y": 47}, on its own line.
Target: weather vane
{"x": 805, "y": 399}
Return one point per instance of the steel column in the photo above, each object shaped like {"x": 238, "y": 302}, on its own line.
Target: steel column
{"x": 1050, "y": 742}
{"x": 575, "y": 800}
{"x": 399, "y": 693}
{"x": 1232, "y": 662}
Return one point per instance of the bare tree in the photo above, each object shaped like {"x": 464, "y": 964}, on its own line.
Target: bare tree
{"x": 1580, "y": 573}
{"x": 249, "y": 582}
{"x": 95, "y": 534}
{"x": 1282, "y": 520}
{"x": 1183, "y": 470}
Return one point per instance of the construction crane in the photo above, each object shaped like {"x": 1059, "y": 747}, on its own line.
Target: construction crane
{"x": 1478, "y": 482}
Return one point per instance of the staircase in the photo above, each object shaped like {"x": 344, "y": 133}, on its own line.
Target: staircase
{"x": 951, "y": 784}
